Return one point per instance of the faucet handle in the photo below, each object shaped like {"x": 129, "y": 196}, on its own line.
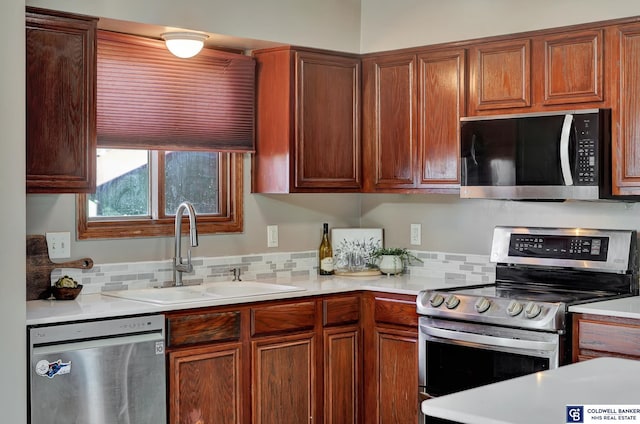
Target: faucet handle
{"x": 236, "y": 274}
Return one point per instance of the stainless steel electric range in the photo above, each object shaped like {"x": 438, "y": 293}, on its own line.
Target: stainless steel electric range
{"x": 519, "y": 325}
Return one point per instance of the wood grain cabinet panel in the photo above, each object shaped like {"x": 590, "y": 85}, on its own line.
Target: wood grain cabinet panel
{"x": 389, "y": 124}
{"x": 60, "y": 97}
{"x": 397, "y": 376}
{"x": 500, "y": 75}
{"x": 205, "y": 385}
{"x": 396, "y": 311}
{"x": 192, "y": 328}
{"x": 307, "y": 122}
{"x": 342, "y": 379}
{"x": 341, "y": 310}
{"x": 573, "y": 67}
{"x": 295, "y": 316}
{"x": 596, "y": 335}
{"x": 283, "y": 380}
{"x": 626, "y": 115}
{"x": 441, "y": 104}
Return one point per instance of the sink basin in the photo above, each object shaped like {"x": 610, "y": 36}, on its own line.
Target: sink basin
{"x": 200, "y": 293}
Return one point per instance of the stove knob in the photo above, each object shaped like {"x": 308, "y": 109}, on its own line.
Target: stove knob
{"x": 532, "y": 310}
{"x": 452, "y": 302}
{"x": 482, "y": 305}
{"x": 514, "y": 308}
{"x": 436, "y": 300}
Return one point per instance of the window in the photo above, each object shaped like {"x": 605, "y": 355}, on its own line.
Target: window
{"x": 138, "y": 192}
{"x": 168, "y": 130}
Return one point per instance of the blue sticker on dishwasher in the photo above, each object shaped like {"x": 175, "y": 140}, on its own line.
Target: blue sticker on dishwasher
{"x": 48, "y": 369}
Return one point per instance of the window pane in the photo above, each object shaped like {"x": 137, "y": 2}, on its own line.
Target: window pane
{"x": 192, "y": 176}
{"x": 122, "y": 184}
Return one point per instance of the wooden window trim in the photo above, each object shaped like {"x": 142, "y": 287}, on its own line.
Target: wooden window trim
{"x": 230, "y": 219}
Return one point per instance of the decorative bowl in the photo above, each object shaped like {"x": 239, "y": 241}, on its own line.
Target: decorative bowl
{"x": 66, "y": 293}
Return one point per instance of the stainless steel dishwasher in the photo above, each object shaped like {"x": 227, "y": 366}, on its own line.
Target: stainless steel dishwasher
{"x": 98, "y": 372}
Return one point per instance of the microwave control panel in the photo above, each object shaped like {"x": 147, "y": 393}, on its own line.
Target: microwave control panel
{"x": 586, "y": 165}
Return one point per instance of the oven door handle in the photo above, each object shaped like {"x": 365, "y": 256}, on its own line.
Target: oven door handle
{"x": 488, "y": 340}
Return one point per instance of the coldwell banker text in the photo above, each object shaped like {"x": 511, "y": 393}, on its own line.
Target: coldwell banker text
{"x": 599, "y": 413}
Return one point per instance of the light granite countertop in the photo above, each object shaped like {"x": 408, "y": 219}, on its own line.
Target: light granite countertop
{"x": 97, "y": 306}
{"x": 543, "y": 397}
{"x": 626, "y": 307}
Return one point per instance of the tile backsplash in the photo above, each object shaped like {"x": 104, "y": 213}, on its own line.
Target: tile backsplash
{"x": 268, "y": 266}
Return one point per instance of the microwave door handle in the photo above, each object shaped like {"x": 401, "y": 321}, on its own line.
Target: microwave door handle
{"x": 564, "y": 149}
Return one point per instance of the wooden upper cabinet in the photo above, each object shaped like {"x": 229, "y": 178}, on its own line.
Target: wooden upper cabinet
{"x": 441, "y": 104}
{"x": 389, "y": 122}
{"x": 626, "y": 113}
{"x": 60, "y": 98}
{"x": 500, "y": 75}
{"x": 307, "y": 121}
{"x": 573, "y": 67}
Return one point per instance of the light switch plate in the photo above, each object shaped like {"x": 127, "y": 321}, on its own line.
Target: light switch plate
{"x": 59, "y": 245}
{"x": 416, "y": 234}
{"x": 272, "y": 236}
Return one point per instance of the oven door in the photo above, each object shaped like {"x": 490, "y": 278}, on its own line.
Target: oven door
{"x": 456, "y": 356}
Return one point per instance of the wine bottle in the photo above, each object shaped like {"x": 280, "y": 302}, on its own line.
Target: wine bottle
{"x": 325, "y": 253}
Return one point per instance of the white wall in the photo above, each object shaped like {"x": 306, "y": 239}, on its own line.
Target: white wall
{"x": 299, "y": 218}
{"x": 388, "y": 25}
{"x": 12, "y": 225}
{"x": 330, "y": 24}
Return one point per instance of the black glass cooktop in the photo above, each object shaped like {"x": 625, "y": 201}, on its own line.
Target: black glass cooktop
{"x": 538, "y": 294}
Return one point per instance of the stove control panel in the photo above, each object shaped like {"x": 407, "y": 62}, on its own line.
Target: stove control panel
{"x": 559, "y": 247}
{"x": 485, "y": 308}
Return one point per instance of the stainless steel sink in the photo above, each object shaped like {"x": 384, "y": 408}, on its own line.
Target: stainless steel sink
{"x": 204, "y": 292}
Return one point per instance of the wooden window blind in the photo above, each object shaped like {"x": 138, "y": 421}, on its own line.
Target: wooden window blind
{"x": 149, "y": 99}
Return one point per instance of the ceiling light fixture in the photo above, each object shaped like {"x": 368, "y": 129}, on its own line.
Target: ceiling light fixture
{"x": 184, "y": 44}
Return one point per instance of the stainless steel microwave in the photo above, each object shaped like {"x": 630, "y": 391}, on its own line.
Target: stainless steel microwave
{"x": 543, "y": 156}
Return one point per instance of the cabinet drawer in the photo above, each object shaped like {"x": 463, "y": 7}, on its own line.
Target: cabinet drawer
{"x": 396, "y": 311}
{"x": 342, "y": 310}
{"x": 203, "y": 328}
{"x": 620, "y": 338}
{"x": 287, "y": 317}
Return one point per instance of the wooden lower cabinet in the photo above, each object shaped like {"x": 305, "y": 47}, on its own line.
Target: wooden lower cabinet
{"x": 283, "y": 379}
{"x": 205, "y": 385}
{"x": 391, "y": 359}
{"x": 336, "y": 359}
{"x": 597, "y": 335}
{"x": 342, "y": 375}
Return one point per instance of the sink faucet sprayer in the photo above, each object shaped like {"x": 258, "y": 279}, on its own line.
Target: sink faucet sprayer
{"x": 178, "y": 266}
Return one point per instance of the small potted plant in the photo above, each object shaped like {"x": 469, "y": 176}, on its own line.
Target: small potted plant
{"x": 393, "y": 260}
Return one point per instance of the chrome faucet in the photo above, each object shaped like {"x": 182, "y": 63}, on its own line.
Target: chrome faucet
{"x": 178, "y": 266}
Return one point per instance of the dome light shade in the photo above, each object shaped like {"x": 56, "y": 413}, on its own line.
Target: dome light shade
{"x": 184, "y": 44}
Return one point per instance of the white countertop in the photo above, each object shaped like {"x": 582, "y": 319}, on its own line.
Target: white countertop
{"x": 95, "y": 306}
{"x": 626, "y": 307}
{"x": 542, "y": 397}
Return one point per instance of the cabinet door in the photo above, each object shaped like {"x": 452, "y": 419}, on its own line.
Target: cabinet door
{"x": 626, "y": 117}
{"x": 283, "y": 380}
{"x": 397, "y": 376}
{"x": 341, "y": 375}
{"x": 500, "y": 75}
{"x": 573, "y": 68}
{"x": 327, "y": 121}
{"x": 205, "y": 385}
{"x": 60, "y": 96}
{"x": 389, "y": 125}
{"x": 442, "y": 103}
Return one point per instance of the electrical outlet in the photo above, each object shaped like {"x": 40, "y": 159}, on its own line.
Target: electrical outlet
{"x": 272, "y": 236}
{"x": 59, "y": 245}
{"x": 416, "y": 234}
